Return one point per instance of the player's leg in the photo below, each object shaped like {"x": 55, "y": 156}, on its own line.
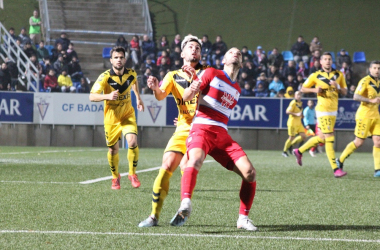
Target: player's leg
{"x": 129, "y": 128}
{"x": 288, "y": 142}
{"x": 112, "y": 133}
{"x": 376, "y": 154}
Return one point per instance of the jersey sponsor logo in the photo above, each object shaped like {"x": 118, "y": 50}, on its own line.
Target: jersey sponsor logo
{"x": 154, "y": 110}
{"x": 227, "y": 100}
{"x": 180, "y": 101}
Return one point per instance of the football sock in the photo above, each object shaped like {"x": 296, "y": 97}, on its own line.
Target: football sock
{"x": 350, "y": 148}
{"x": 288, "y": 143}
{"x": 296, "y": 140}
{"x": 133, "y": 158}
{"x": 247, "y": 194}
{"x": 312, "y": 142}
{"x": 330, "y": 152}
{"x": 113, "y": 161}
{"x": 189, "y": 179}
{"x": 160, "y": 190}
{"x": 376, "y": 158}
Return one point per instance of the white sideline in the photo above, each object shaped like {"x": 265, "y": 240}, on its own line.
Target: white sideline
{"x": 189, "y": 235}
{"x": 125, "y": 174}
{"x": 50, "y": 151}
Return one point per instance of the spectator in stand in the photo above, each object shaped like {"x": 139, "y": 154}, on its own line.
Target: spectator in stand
{"x": 244, "y": 78}
{"x": 75, "y": 70}
{"x": 276, "y": 59}
{"x": 51, "y": 82}
{"x": 260, "y": 90}
{"x": 177, "y": 64}
{"x": 144, "y": 89}
{"x": 316, "y": 67}
{"x": 204, "y": 61}
{"x": 83, "y": 86}
{"x": 249, "y": 68}
{"x": 163, "y": 45}
{"x": 64, "y": 81}
{"x": 219, "y": 48}
{"x": 351, "y": 91}
{"x": 272, "y": 71}
{"x": 175, "y": 54}
{"x": 5, "y": 77}
{"x": 162, "y": 75}
{"x": 42, "y": 52}
{"x": 148, "y": 48}
{"x": 123, "y": 43}
{"x": 247, "y": 90}
{"x": 24, "y": 38}
{"x": 300, "y": 50}
{"x": 290, "y": 69}
{"x": 29, "y": 51}
{"x": 260, "y": 60}
{"x": 63, "y": 40}
{"x": 34, "y": 61}
{"x": 65, "y": 56}
{"x": 149, "y": 64}
{"x": 291, "y": 82}
{"x": 163, "y": 55}
{"x": 289, "y": 92}
{"x": 281, "y": 93}
{"x": 263, "y": 80}
{"x": 343, "y": 57}
{"x": 218, "y": 64}
{"x": 176, "y": 42}
{"x": 56, "y": 52}
{"x": 164, "y": 66}
{"x": 302, "y": 70}
{"x": 135, "y": 51}
{"x": 60, "y": 65}
{"x": 206, "y": 48}
{"x": 35, "y": 28}
{"x": 12, "y": 36}
{"x": 71, "y": 52}
{"x": 315, "y": 45}
{"x": 13, "y": 70}
{"x": 245, "y": 54}
{"x": 316, "y": 57}
{"x": 46, "y": 66}
{"x": 275, "y": 86}
{"x": 346, "y": 73}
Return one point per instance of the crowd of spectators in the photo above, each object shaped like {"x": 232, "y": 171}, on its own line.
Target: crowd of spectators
{"x": 59, "y": 70}
{"x": 264, "y": 74}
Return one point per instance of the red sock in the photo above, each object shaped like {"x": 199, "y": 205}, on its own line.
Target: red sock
{"x": 189, "y": 179}
{"x": 247, "y": 194}
{"x": 313, "y": 149}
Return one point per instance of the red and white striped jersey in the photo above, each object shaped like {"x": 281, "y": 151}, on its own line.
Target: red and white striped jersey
{"x": 217, "y": 98}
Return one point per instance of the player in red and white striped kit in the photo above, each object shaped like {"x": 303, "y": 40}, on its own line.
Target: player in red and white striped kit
{"x": 219, "y": 93}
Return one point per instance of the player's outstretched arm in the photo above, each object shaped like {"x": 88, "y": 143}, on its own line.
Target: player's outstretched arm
{"x": 94, "y": 97}
{"x": 139, "y": 102}
{"x": 152, "y": 83}
{"x": 191, "y": 91}
{"x": 361, "y": 98}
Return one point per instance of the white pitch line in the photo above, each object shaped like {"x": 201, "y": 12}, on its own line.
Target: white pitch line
{"x": 125, "y": 174}
{"x": 40, "y": 182}
{"x": 189, "y": 235}
{"x": 51, "y": 151}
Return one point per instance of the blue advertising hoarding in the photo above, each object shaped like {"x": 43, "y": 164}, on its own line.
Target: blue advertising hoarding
{"x": 16, "y": 107}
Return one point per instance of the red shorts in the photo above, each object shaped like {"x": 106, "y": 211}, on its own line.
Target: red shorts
{"x": 216, "y": 142}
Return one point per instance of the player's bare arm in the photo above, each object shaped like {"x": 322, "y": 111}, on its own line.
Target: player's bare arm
{"x": 94, "y": 97}
{"x": 191, "y": 91}
{"x": 139, "y": 102}
{"x": 361, "y": 98}
{"x": 159, "y": 94}
{"x": 294, "y": 114}
{"x": 316, "y": 90}
{"x": 342, "y": 91}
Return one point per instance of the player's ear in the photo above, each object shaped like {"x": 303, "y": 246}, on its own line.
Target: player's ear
{"x": 182, "y": 55}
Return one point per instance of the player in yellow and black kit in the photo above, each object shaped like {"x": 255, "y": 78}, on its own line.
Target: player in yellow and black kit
{"x": 328, "y": 83}
{"x": 367, "y": 116}
{"x": 119, "y": 115}
{"x": 294, "y": 124}
{"x": 175, "y": 82}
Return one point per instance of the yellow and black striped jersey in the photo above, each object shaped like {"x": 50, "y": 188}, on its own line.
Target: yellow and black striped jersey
{"x": 328, "y": 99}
{"x": 294, "y": 107}
{"x": 117, "y": 110}
{"x": 370, "y": 88}
{"x": 176, "y": 82}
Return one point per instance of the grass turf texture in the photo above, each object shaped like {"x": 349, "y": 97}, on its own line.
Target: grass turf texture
{"x": 43, "y": 206}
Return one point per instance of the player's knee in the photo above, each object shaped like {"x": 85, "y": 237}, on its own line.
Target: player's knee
{"x": 197, "y": 163}
{"x": 113, "y": 151}
{"x": 250, "y": 176}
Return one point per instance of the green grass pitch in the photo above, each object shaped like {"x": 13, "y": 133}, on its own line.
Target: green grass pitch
{"x": 44, "y": 205}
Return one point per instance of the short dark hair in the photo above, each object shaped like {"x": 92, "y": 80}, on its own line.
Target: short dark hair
{"x": 326, "y": 54}
{"x": 117, "y": 49}
{"x": 374, "y": 62}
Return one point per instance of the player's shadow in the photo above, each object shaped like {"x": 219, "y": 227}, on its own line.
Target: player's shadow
{"x": 313, "y": 227}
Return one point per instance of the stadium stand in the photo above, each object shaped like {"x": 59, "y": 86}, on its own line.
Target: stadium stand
{"x": 288, "y": 55}
{"x": 359, "y": 57}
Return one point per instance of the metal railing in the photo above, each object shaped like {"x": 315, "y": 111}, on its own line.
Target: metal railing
{"x": 16, "y": 54}
{"x": 44, "y": 13}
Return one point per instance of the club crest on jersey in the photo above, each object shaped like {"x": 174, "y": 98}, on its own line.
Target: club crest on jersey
{"x": 227, "y": 100}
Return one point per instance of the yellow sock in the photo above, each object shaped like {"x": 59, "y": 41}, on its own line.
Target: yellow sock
{"x": 182, "y": 172}
{"x": 287, "y": 145}
{"x": 350, "y": 148}
{"x": 113, "y": 161}
{"x": 312, "y": 142}
{"x": 160, "y": 190}
{"x": 330, "y": 152}
{"x": 296, "y": 140}
{"x": 133, "y": 158}
{"x": 376, "y": 157}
